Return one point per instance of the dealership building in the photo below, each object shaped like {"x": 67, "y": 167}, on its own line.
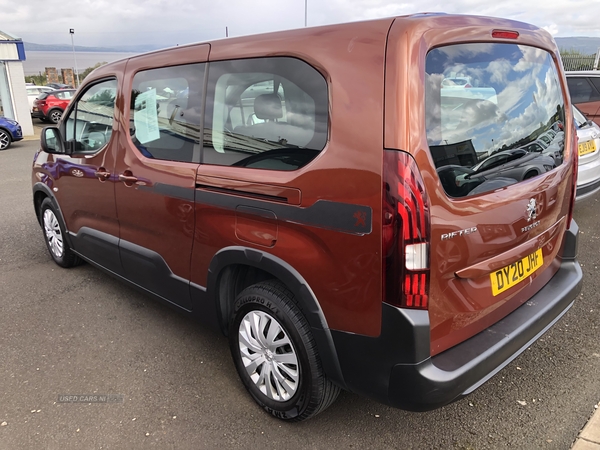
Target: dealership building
{"x": 13, "y": 95}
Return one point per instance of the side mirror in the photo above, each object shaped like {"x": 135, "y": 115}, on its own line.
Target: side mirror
{"x": 51, "y": 141}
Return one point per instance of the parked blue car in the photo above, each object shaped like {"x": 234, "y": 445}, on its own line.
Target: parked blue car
{"x": 10, "y": 131}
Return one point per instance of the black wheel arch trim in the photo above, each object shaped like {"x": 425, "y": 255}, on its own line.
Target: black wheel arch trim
{"x": 307, "y": 301}
{"x": 41, "y": 187}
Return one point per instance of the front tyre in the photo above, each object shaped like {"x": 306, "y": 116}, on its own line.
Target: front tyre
{"x": 275, "y": 354}
{"x": 54, "y": 236}
{"x": 5, "y": 140}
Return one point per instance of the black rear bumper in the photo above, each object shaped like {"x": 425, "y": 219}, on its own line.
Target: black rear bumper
{"x": 395, "y": 368}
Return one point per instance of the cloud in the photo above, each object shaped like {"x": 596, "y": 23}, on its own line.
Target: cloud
{"x": 169, "y": 22}
{"x": 552, "y": 29}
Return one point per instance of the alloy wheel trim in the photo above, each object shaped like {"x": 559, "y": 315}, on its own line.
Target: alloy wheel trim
{"x": 4, "y": 140}
{"x": 268, "y": 356}
{"x": 54, "y": 236}
{"x": 55, "y": 116}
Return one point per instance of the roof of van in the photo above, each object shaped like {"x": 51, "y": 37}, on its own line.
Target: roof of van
{"x": 322, "y": 30}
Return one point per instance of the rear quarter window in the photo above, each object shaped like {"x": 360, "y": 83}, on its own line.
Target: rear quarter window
{"x": 501, "y": 124}
{"x": 265, "y": 113}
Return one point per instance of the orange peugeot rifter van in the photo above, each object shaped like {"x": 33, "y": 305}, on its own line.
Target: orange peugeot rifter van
{"x": 355, "y": 206}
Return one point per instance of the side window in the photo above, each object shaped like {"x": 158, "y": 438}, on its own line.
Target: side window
{"x": 90, "y": 122}
{"x": 266, "y": 113}
{"x": 534, "y": 147}
{"x": 166, "y": 111}
{"x": 515, "y": 155}
{"x": 581, "y": 90}
{"x": 65, "y": 95}
{"x": 493, "y": 162}
{"x": 596, "y": 82}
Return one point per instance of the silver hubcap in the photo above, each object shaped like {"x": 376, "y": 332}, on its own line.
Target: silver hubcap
{"x": 4, "y": 140}
{"x": 53, "y": 234}
{"x": 268, "y": 356}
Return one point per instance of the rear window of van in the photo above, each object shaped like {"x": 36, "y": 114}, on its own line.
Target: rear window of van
{"x": 494, "y": 115}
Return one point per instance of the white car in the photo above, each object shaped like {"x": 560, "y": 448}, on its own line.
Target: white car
{"x": 34, "y": 92}
{"x": 588, "y": 175}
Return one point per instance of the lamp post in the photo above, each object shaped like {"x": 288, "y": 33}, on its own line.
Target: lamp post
{"x": 72, "y": 32}
{"x": 305, "y": 13}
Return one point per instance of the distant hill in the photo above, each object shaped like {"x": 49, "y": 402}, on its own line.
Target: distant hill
{"x": 585, "y": 45}
{"x": 30, "y": 46}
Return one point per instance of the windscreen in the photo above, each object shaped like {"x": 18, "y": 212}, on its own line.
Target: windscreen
{"x": 494, "y": 115}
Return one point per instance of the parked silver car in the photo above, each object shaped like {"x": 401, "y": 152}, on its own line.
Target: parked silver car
{"x": 517, "y": 164}
{"x": 588, "y": 175}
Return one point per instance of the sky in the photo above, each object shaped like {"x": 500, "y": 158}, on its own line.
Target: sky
{"x": 165, "y": 23}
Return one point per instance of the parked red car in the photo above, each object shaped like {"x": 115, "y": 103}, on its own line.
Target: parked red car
{"x": 49, "y": 106}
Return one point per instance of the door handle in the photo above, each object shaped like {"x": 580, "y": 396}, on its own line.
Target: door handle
{"x": 102, "y": 174}
{"x": 127, "y": 178}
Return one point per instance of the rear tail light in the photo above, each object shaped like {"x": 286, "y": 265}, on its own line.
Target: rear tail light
{"x": 406, "y": 232}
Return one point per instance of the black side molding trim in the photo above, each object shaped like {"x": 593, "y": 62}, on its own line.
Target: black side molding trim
{"x": 343, "y": 217}
{"x": 148, "y": 268}
{"x": 101, "y": 248}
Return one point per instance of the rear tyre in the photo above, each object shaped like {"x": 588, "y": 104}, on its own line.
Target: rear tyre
{"x": 5, "y": 140}
{"x": 275, "y": 354}
{"x": 54, "y": 235}
{"x": 55, "y": 115}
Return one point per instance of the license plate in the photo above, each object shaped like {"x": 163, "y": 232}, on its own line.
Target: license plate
{"x": 587, "y": 147}
{"x": 516, "y": 272}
